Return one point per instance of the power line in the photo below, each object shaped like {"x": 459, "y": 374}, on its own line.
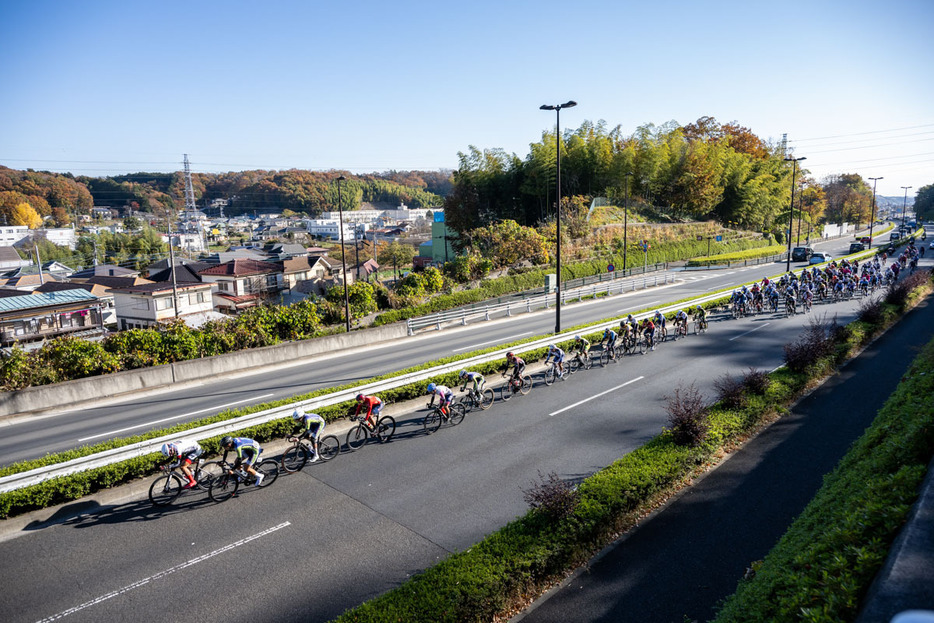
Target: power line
{"x": 821, "y": 138}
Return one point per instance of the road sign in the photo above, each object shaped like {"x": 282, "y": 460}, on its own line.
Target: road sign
{"x": 719, "y": 238}
{"x": 610, "y": 268}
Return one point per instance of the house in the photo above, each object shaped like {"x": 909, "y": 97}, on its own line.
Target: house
{"x": 39, "y": 316}
{"x": 10, "y": 259}
{"x": 108, "y": 313}
{"x": 282, "y": 251}
{"x": 113, "y": 282}
{"x": 243, "y": 283}
{"x": 241, "y": 253}
{"x": 150, "y": 304}
{"x": 28, "y": 282}
{"x": 185, "y": 272}
{"x": 365, "y": 269}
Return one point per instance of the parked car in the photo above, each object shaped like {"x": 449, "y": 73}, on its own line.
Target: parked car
{"x": 856, "y": 247}
{"x": 820, "y": 258}
{"x": 801, "y": 254}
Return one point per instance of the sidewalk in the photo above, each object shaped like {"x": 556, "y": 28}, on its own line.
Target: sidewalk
{"x": 685, "y": 558}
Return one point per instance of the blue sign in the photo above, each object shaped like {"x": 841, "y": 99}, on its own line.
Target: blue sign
{"x": 439, "y": 217}
{"x": 610, "y": 268}
{"x": 719, "y": 238}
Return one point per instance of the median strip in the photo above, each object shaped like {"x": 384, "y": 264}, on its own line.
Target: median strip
{"x": 612, "y": 389}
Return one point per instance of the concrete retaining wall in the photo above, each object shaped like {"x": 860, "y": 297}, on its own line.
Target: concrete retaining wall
{"x": 35, "y": 399}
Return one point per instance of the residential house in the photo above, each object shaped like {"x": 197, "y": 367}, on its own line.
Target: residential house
{"x": 185, "y": 272}
{"x": 149, "y": 304}
{"x": 27, "y": 282}
{"x": 243, "y": 283}
{"x": 39, "y": 316}
{"x": 105, "y": 270}
{"x": 240, "y": 254}
{"x": 10, "y": 259}
{"x": 108, "y": 312}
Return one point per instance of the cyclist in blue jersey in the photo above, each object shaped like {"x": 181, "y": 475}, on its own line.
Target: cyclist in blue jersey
{"x": 609, "y": 336}
{"x": 248, "y": 452}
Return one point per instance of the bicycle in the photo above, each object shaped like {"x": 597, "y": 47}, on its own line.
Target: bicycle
{"x": 790, "y": 309}
{"x": 296, "y": 457}
{"x": 436, "y": 417}
{"x": 580, "y": 362}
{"x": 700, "y": 326}
{"x": 630, "y": 342}
{"x": 609, "y": 355}
{"x": 681, "y": 330}
{"x": 383, "y": 431}
{"x": 552, "y": 374}
{"x": 225, "y": 486}
{"x": 166, "y": 488}
{"x": 516, "y": 386}
{"x": 482, "y": 399}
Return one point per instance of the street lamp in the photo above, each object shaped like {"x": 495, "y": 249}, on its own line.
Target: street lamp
{"x": 340, "y": 234}
{"x": 905, "y": 205}
{"x": 557, "y": 109}
{"x": 872, "y": 216}
{"x": 791, "y": 212}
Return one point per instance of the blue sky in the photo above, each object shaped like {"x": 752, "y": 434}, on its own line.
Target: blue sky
{"x": 105, "y": 87}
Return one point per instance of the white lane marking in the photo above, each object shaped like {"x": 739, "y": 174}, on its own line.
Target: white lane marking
{"x": 750, "y": 331}
{"x": 175, "y": 417}
{"x": 629, "y": 309}
{"x": 162, "y": 574}
{"x": 612, "y": 389}
{"x": 505, "y": 339}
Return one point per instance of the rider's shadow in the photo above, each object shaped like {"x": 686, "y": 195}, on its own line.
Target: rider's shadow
{"x": 90, "y": 513}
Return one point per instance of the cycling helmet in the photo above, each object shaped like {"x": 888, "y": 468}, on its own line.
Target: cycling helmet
{"x": 510, "y": 355}
{"x": 462, "y": 374}
{"x": 552, "y": 347}
{"x": 167, "y": 450}
{"x": 359, "y": 397}
{"x": 227, "y": 441}
{"x": 699, "y": 308}
{"x": 298, "y": 414}
{"x": 431, "y": 387}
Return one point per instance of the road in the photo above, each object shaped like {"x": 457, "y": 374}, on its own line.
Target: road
{"x": 28, "y": 437}
{"x": 335, "y": 535}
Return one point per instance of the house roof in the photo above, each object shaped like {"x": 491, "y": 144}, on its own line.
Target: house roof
{"x": 58, "y": 286}
{"x": 28, "y": 280}
{"x": 9, "y": 254}
{"x": 186, "y": 273}
{"x": 6, "y": 292}
{"x": 115, "y": 282}
{"x": 227, "y": 256}
{"x": 297, "y": 264}
{"x": 44, "y": 299}
{"x": 242, "y": 267}
{"x": 105, "y": 270}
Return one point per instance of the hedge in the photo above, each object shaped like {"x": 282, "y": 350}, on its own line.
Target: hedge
{"x": 775, "y": 249}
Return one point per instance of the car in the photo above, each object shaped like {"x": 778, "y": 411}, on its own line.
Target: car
{"x": 931, "y": 246}
{"x": 865, "y": 240}
{"x": 894, "y": 236}
{"x": 820, "y": 258}
{"x": 856, "y": 247}
{"x": 801, "y": 254}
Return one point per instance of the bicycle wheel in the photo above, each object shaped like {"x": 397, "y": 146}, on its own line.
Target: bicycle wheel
{"x": 486, "y": 399}
{"x": 207, "y": 473}
{"x": 385, "y": 429}
{"x": 357, "y": 436}
{"x": 294, "y": 459}
{"x": 550, "y": 375}
{"x": 505, "y": 391}
{"x": 270, "y": 471}
{"x": 526, "y": 386}
{"x": 588, "y": 362}
{"x": 642, "y": 346}
{"x": 223, "y": 487}
{"x": 328, "y": 447}
{"x": 432, "y": 421}
{"x": 165, "y": 489}
{"x": 458, "y": 412}
{"x": 573, "y": 366}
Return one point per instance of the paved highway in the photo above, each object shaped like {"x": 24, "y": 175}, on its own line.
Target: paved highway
{"x": 335, "y": 535}
{"x": 30, "y": 436}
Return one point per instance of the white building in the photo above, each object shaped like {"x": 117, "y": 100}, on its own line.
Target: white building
{"x": 329, "y": 228}
{"x": 11, "y": 234}
{"x": 62, "y": 236}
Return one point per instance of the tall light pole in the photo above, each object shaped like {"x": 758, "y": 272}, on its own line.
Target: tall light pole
{"x": 905, "y": 205}
{"x": 872, "y": 215}
{"x": 340, "y": 234}
{"x": 557, "y": 108}
{"x": 791, "y": 212}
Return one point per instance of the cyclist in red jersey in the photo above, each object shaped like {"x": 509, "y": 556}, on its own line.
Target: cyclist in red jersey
{"x": 373, "y": 406}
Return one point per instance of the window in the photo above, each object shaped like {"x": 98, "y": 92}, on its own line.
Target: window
{"x": 223, "y": 286}
{"x": 164, "y": 303}
{"x": 140, "y": 303}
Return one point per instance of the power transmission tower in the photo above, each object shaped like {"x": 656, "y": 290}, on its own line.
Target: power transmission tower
{"x": 190, "y": 207}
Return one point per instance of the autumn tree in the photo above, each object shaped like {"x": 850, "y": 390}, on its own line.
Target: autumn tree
{"x": 25, "y": 214}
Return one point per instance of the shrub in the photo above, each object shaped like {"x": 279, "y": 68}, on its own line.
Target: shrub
{"x": 757, "y": 381}
{"x": 899, "y": 292}
{"x": 688, "y": 415}
{"x": 812, "y": 347}
{"x": 871, "y": 311}
{"x": 731, "y": 392}
{"x": 552, "y": 496}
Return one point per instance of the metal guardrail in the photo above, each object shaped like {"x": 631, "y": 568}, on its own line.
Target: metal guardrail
{"x": 526, "y": 305}
{"x": 110, "y": 457}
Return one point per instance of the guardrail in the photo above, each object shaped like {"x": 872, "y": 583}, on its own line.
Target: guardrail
{"x": 116, "y": 455}
{"x": 526, "y": 305}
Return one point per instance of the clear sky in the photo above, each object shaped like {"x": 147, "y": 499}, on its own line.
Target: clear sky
{"x": 105, "y": 87}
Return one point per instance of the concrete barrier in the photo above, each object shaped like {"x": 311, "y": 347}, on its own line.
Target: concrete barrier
{"x": 34, "y": 399}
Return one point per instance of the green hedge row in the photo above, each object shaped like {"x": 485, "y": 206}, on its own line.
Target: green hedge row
{"x": 823, "y": 565}
{"x": 517, "y": 561}
{"x": 749, "y": 254}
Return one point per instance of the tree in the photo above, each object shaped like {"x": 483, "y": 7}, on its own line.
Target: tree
{"x": 507, "y": 244}
{"x": 24, "y": 214}
{"x": 432, "y": 280}
{"x": 397, "y": 254}
{"x": 924, "y": 202}
{"x": 360, "y": 296}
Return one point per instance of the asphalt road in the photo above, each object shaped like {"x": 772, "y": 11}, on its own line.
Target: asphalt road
{"x": 29, "y": 436}
{"x": 335, "y": 535}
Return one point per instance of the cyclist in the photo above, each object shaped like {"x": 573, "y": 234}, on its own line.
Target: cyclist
{"x": 186, "y": 452}
{"x": 373, "y": 406}
{"x": 628, "y": 325}
{"x": 609, "y": 336}
{"x": 660, "y": 320}
{"x": 790, "y": 298}
{"x": 518, "y": 367}
{"x": 248, "y": 452}
{"x": 583, "y": 349}
{"x": 472, "y": 377}
{"x": 700, "y": 314}
{"x": 313, "y": 427}
{"x": 444, "y": 394}
{"x": 648, "y": 330}
{"x": 681, "y": 320}
{"x": 558, "y": 354}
